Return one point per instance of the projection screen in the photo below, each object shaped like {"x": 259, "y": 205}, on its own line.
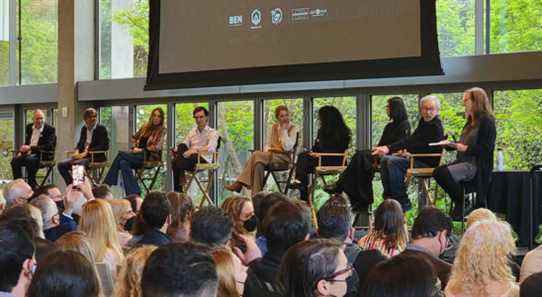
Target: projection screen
{"x": 217, "y": 43}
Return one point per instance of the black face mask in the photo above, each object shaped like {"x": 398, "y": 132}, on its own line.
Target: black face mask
{"x": 129, "y": 224}
{"x": 251, "y": 224}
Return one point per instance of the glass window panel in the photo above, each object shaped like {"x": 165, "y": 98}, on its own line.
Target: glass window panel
{"x": 380, "y": 118}
{"x": 347, "y": 107}
{"x": 455, "y": 26}
{"x": 236, "y": 126}
{"x": 516, "y": 25}
{"x": 39, "y": 43}
{"x": 7, "y": 137}
{"x": 519, "y": 129}
{"x": 4, "y": 42}
{"x": 124, "y": 38}
{"x": 184, "y": 120}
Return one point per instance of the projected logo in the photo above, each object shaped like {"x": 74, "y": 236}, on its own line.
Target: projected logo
{"x": 256, "y": 18}
{"x": 276, "y": 16}
{"x": 300, "y": 14}
{"x": 235, "y": 20}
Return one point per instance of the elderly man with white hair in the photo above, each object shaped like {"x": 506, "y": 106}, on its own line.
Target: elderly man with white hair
{"x": 393, "y": 167}
{"x": 17, "y": 192}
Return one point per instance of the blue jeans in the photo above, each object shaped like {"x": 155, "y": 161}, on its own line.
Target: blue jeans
{"x": 65, "y": 168}
{"x": 125, "y": 162}
{"x": 392, "y": 172}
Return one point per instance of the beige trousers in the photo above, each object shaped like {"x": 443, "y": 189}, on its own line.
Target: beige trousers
{"x": 254, "y": 172}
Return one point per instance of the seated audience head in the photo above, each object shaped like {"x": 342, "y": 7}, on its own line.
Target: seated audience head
{"x": 44, "y": 248}
{"x": 135, "y": 202}
{"x": 74, "y": 201}
{"x": 102, "y": 192}
{"x": 90, "y": 116}
{"x": 49, "y": 211}
{"x": 284, "y": 226}
{"x": 315, "y": 268}
{"x": 16, "y": 258}
{"x": 402, "y": 276}
{"x": 129, "y": 278}
{"x": 201, "y": 115}
{"x": 389, "y": 225}
{"x": 396, "y": 109}
{"x": 482, "y": 257}
{"x": 429, "y": 107}
{"x": 431, "y": 230}
{"x": 180, "y": 270}
{"x": 264, "y": 201}
{"x": 77, "y": 241}
{"x": 225, "y": 268}
{"x": 211, "y": 226}
{"x": 52, "y": 191}
{"x": 241, "y": 211}
{"x": 531, "y": 286}
{"x": 17, "y": 192}
{"x": 335, "y": 219}
{"x": 155, "y": 210}
{"x": 480, "y": 214}
{"x": 22, "y": 216}
{"x": 181, "y": 216}
{"x": 65, "y": 274}
{"x": 35, "y": 214}
{"x": 98, "y": 223}
{"x": 122, "y": 211}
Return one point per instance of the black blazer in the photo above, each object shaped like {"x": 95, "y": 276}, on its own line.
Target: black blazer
{"x": 99, "y": 141}
{"x": 46, "y": 142}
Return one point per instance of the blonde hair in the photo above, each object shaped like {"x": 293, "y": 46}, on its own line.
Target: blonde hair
{"x": 480, "y": 214}
{"x": 225, "y": 269}
{"x": 77, "y": 241}
{"x": 129, "y": 277}
{"x": 98, "y": 222}
{"x": 119, "y": 207}
{"x": 35, "y": 213}
{"x": 233, "y": 207}
{"x": 482, "y": 256}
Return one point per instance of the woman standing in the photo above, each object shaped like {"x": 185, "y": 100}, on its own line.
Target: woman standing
{"x": 147, "y": 143}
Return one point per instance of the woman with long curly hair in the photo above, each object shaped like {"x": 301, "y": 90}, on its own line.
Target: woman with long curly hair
{"x": 129, "y": 278}
{"x": 389, "y": 234}
{"x": 333, "y": 136}
{"x": 481, "y": 266}
{"x": 147, "y": 145}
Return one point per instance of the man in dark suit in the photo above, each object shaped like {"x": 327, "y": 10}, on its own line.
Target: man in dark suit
{"x": 93, "y": 137}
{"x": 39, "y": 144}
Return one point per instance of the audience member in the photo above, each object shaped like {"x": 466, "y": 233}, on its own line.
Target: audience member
{"x": 364, "y": 263}
{"x": 532, "y": 263}
{"x": 480, "y": 214}
{"x": 43, "y": 248}
{"x": 22, "y": 216}
{"x": 99, "y": 225}
{"x": 35, "y": 214}
{"x": 102, "y": 192}
{"x": 241, "y": 211}
{"x": 283, "y": 226}
{"x": 481, "y": 267}
{"x": 16, "y": 259}
{"x": 135, "y": 202}
{"x": 65, "y": 274}
{"x": 153, "y": 219}
{"x": 181, "y": 216}
{"x": 531, "y": 286}
{"x": 430, "y": 238}
{"x": 124, "y": 218}
{"x": 229, "y": 283}
{"x": 389, "y": 234}
{"x": 402, "y": 276}
{"x": 129, "y": 278}
{"x": 211, "y": 227}
{"x": 264, "y": 201}
{"x": 180, "y": 269}
{"x": 17, "y": 192}
{"x": 315, "y": 268}
{"x": 54, "y": 224}
{"x": 77, "y": 241}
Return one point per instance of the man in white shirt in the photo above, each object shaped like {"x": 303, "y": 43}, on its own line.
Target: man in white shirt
{"x": 40, "y": 142}
{"x": 201, "y": 139}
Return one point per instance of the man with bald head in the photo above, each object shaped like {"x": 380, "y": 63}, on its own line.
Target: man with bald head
{"x": 40, "y": 138}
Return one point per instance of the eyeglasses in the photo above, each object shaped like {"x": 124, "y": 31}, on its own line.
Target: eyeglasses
{"x": 199, "y": 117}
{"x": 346, "y": 270}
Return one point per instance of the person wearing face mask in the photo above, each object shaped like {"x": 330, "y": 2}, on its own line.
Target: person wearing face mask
{"x": 124, "y": 217}
{"x": 55, "y": 224}
{"x": 315, "y": 268}
{"x": 40, "y": 139}
{"x": 393, "y": 167}
{"x": 430, "y": 238}
{"x": 474, "y": 162}
{"x": 241, "y": 211}
{"x": 281, "y": 139}
{"x": 147, "y": 146}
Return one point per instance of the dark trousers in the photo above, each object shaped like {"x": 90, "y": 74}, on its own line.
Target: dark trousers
{"x": 125, "y": 163}
{"x": 65, "y": 168}
{"x": 445, "y": 180}
{"x": 182, "y": 164}
{"x": 305, "y": 165}
{"x": 32, "y": 164}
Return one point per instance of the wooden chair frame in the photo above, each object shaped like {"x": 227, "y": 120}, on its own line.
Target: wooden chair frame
{"x": 423, "y": 174}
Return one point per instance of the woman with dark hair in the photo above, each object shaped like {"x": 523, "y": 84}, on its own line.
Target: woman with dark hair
{"x": 357, "y": 179}
{"x": 65, "y": 274}
{"x": 402, "y": 276}
{"x": 333, "y": 137}
{"x": 147, "y": 146}
{"x": 474, "y": 161}
{"x": 389, "y": 234}
{"x": 315, "y": 268}
{"x": 181, "y": 216}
